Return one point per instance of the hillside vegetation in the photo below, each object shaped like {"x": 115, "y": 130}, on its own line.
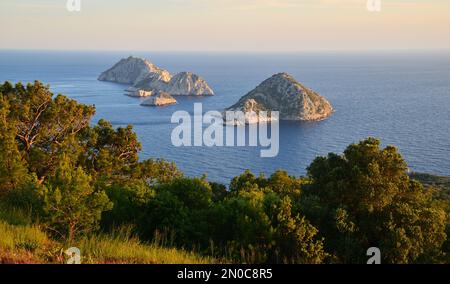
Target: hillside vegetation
{"x": 27, "y": 243}
{"x": 65, "y": 182}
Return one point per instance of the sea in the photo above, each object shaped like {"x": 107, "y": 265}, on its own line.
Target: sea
{"x": 402, "y": 98}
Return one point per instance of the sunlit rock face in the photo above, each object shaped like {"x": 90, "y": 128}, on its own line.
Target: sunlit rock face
{"x": 160, "y": 98}
{"x": 132, "y": 70}
{"x": 145, "y": 76}
{"x": 284, "y": 94}
{"x": 187, "y": 83}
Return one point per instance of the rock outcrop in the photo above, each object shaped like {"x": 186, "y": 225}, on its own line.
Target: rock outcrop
{"x": 188, "y": 84}
{"x": 153, "y": 82}
{"x": 132, "y": 70}
{"x": 144, "y": 75}
{"x": 160, "y": 98}
{"x": 284, "y": 94}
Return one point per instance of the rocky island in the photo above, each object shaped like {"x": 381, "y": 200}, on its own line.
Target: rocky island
{"x": 160, "y": 98}
{"x": 284, "y": 94}
{"x": 145, "y": 76}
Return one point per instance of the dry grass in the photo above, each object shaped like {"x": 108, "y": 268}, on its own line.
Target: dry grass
{"x": 123, "y": 249}
{"x": 23, "y": 242}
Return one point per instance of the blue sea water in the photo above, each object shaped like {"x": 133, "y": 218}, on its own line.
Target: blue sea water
{"x": 404, "y": 99}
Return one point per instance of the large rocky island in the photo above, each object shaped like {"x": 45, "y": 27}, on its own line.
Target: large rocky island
{"x": 143, "y": 75}
{"x": 284, "y": 94}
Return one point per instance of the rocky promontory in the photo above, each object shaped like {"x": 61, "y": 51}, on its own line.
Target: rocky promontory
{"x": 160, "y": 98}
{"x": 145, "y": 76}
{"x": 284, "y": 94}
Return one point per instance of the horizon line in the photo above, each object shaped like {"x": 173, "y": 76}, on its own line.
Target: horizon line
{"x": 410, "y": 50}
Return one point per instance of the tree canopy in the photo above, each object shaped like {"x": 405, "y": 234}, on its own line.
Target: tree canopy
{"x": 366, "y": 199}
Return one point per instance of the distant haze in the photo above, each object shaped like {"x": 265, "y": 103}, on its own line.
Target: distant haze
{"x": 225, "y": 25}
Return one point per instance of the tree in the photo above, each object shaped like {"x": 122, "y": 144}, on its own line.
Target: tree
{"x": 130, "y": 200}
{"x": 131, "y": 193}
{"x": 180, "y": 207}
{"x": 156, "y": 172}
{"x": 245, "y": 181}
{"x": 256, "y": 222}
{"x": 219, "y": 191}
{"x": 45, "y": 128}
{"x": 71, "y": 204}
{"x": 110, "y": 153}
{"x": 296, "y": 237}
{"x": 365, "y": 199}
{"x": 13, "y": 172}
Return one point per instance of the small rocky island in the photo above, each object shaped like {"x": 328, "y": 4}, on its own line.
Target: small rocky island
{"x": 284, "y": 94}
{"x": 160, "y": 98}
{"x": 145, "y": 78}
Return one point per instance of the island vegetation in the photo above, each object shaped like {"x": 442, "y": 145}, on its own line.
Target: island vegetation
{"x": 67, "y": 182}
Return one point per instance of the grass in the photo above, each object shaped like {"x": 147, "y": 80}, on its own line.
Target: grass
{"x": 24, "y": 242}
{"x": 20, "y": 241}
{"x": 14, "y": 216}
{"x": 122, "y": 249}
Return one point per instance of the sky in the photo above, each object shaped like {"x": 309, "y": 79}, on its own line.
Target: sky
{"x": 225, "y": 25}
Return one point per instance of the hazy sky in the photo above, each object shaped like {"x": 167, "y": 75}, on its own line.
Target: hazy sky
{"x": 225, "y": 25}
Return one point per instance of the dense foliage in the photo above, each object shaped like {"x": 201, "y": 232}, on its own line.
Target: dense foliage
{"x": 366, "y": 199}
{"x": 77, "y": 178}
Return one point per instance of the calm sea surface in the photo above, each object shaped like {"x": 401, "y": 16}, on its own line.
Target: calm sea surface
{"x": 404, "y": 99}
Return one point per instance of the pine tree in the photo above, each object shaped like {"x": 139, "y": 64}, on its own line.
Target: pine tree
{"x": 71, "y": 204}
{"x": 12, "y": 169}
